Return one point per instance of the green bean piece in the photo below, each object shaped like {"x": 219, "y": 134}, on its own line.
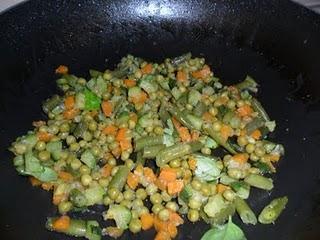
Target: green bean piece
{"x": 52, "y": 103}
{"x": 79, "y": 228}
{"x": 259, "y": 181}
{"x": 182, "y": 118}
{"x": 246, "y": 214}
{"x": 255, "y": 124}
{"x": 273, "y": 210}
{"x": 119, "y": 179}
{"x": 181, "y": 59}
{"x": 248, "y": 84}
{"x": 147, "y": 141}
{"x": 140, "y": 159}
{"x": 176, "y": 151}
{"x": 152, "y": 151}
{"x": 259, "y": 109}
{"x": 216, "y": 136}
{"x": 80, "y": 129}
{"x": 220, "y": 217}
{"x": 94, "y": 73}
{"x": 78, "y": 198}
{"x": 200, "y": 109}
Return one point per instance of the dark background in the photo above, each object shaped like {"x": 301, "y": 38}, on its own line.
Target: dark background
{"x": 276, "y": 42}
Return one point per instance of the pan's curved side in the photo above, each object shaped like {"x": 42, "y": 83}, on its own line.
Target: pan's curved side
{"x": 277, "y": 42}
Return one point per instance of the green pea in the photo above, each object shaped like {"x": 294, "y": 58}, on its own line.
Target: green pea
{"x": 74, "y": 147}
{"x": 164, "y": 214}
{"x": 141, "y": 194}
{"x": 64, "y": 127}
{"x": 151, "y": 189}
{"x": 175, "y": 163}
{"x": 75, "y": 164}
{"x": 196, "y": 184}
{"x": 156, "y": 208}
{"x": 135, "y": 225}
{"x": 172, "y": 206}
{"x": 44, "y": 155}
{"x": 250, "y": 148}
{"x": 119, "y": 198}
{"x": 86, "y": 179}
{"x": 64, "y": 207}
{"x": 113, "y": 193}
{"x": 129, "y": 194}
{"x": 193, "y": 215}
{"x": 194, "y": 203}
{"x": 156, "y": 198}
{"x": 84, "y": 169}
{"x": 205, "y": 189}
{"x": 92, "y": 126}
{"x": 103, "y": 182}
{"x": 41, "y": 145}
{"x": 20, "y": 148}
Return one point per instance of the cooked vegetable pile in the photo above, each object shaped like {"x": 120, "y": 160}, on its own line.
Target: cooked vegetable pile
{"x": 153, "y": 143}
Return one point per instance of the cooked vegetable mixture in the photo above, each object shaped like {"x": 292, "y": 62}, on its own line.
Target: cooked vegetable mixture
{"x": 142, "y": 140}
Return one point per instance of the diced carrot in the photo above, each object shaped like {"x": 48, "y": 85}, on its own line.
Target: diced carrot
{"x": 203, "y": 73}
{"x": 62, "y": 69}
{"x": 172, "y": 230}
{"x": 149, "y": 174}
{"x": 106, "y": 170}
{"x": 241, "y": 157}
{"x": 159, "y": 225}
{"x": 47, "y": 186}
{"x": 168, "y": 174}
{"x": 221, "y": 188}
{"x": 61, "y": 224}
{"x": 147, "y": 69}
{"x": 161, "y": 184}
{"x": 182, "y": 76}
{"x": 162, "y": 235}
{"x": 34, "y": 181}
{"x": 195, "y": 135}
{"x": 116, "y": 152}
{"x": 176, "y": 123}
{"x": 175, "y": 219}
{"x": 133, "y": 117}
{"x": 70, "y": 114}
{"x": 44, "y": 136}
{"x": 122, "y": 134}
{"x": 65, "y": 176}
{"x": 107, "y": 108}
{"x": 110, "y": 130}
{"x": 146, "y": 221}
{"x": 132, "y": 180}
{"x": 184, "y": 134}
{"x": 192, "y": 163}
{"x": 244, "y": 110}
{"x": 175, "y": 187}
{"x": 139, "y": 99}
{"x": 274, "y": 157}
{"x": 226, "y": 132}
{"x": 256, "y": 134}
{"x": 57, "y": 198}
{"x": 125, "y": 145}
{"x": 69, "y": 102}
{"x": 129, "y": 82}
{"x": 207, "y": 117}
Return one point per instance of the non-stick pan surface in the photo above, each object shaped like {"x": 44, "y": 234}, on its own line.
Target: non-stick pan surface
{"x": 276, "y": 42}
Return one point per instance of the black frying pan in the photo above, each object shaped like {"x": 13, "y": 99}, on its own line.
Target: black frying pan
{"x": 276, "y": 42}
